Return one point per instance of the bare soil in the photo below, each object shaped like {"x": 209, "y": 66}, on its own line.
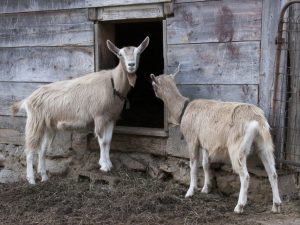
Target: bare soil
{"x": 134, "y": 199}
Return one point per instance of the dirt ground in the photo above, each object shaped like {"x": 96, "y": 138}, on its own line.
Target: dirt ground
{"x": 133, "y": 198}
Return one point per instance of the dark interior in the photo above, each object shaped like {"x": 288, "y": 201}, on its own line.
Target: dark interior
{"x": 145, "y": 109}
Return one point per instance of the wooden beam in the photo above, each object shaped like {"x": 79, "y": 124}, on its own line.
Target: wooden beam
{"x": 17, "y": 6}
{"x": 135, "y": 12}
{"x": 270, "y": 15}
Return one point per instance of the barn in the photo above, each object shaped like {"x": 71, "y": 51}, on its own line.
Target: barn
{"x": 226, "y": 48}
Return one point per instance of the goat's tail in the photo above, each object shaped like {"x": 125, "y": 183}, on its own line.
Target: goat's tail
{"x": 15, "y": 108}
{"x": 241, "y": 151}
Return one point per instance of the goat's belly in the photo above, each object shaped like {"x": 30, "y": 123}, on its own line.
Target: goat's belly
{"x": 218, "y": 154}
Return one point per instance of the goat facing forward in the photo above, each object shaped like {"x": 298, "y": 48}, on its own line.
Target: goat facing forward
{"x": 73, "y": 104}
{"x": 220, "y": 129}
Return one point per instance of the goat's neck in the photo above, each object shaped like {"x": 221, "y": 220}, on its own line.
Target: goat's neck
{"x": 175, "y": 104}
{"x": 121, "y": 83}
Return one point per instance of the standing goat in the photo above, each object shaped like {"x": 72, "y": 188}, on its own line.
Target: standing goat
{"x": 220, "y": 129}
{"x": 73, "y": 104}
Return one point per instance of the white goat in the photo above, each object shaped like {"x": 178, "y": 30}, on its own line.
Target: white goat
{"x": 72, "y": 104}
{"x": 220, "y": 130}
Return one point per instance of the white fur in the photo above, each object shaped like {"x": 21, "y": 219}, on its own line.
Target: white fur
{"x": 220, "y": 129}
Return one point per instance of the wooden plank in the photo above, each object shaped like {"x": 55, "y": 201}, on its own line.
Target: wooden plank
{"x": 144, "y": 131}
{"x": 150, "y": 11}
{"x": 12, "y": 132}
{"x": 45, "y": 64}
{"x": 215, "y": 21}
{"x": 11, "y": 92}
{"x": 134, "y": 143}
{"x": 232, "y": 93}
{"x": 215, "y": 63}
{"x": 53, "y": 28}
{"x": 185, "y": 1}
{"x": 14, "y": 6}
{"x": 270, "y": 15}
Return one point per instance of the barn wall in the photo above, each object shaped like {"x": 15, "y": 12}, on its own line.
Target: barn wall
{"x": 217, "y": 42}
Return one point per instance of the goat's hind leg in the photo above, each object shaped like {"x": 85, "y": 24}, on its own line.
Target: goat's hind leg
{"x": 48, "y": 137}
{"x": 244, "y": 179}
{"x": 266, "y": 156}
{"x": 32, "y": 144}
{"x": 207, "y": 173}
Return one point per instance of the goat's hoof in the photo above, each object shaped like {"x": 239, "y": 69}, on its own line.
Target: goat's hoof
{"x": 44, "y": 178}
{"x": 31, "y": 180}
{"x": 239, "y": 209}
{"x": 205, "y": 190}
{"x": 276, "y": 208}
{"x": 189, "y": 193}
{"x": 105, "y": 168}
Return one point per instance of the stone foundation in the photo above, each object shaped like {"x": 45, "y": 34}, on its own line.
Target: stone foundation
{"x": 74, "y": 163}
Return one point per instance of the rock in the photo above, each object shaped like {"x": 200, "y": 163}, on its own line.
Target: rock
{"x": 58, "y": 166}
{"x": 9, "y": 176}
{"x": 227, "y": 183}
{"x": 61, "y": 145}
{"x": 132, "y": 163}
{"x": 2, "y": 160}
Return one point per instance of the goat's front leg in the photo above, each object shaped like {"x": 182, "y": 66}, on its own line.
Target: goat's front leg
{"x": 104, "y": 134}
{"x": 194, "y": 162}
{"x": 207, "y": 174}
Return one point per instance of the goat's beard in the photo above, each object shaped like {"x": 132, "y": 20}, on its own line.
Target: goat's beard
{"x": 131, "y": 79}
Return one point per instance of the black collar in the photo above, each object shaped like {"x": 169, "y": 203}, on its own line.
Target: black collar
{"x": 183, "y": 109}
{"x": 117, "y": 93}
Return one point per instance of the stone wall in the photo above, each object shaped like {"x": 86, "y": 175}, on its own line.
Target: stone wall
{"x": 78, "y": 161}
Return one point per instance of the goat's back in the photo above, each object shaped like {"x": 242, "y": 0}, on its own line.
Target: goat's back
{"x": 72, "y": 100}
{"x": 214, "y": 125}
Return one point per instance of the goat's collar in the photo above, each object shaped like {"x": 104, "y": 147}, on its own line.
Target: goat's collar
{"x": 115, "y": 92}
{"x": 186, "y": 103}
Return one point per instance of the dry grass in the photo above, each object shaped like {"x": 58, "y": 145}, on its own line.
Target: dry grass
{"x": 136, "y": 199}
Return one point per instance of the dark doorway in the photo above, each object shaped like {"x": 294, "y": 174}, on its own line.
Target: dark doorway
{"x": 145, "y": 109}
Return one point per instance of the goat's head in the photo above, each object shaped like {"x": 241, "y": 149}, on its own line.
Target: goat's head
{"x": 164, "y": 85}
{"x": 129, "y": 57}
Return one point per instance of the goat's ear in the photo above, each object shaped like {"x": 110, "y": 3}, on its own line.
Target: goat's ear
{"x": 144, "y": 44}
{"x": 176, "y": 71}
{"x": 114, "y": 49}
{"x": 153, "y": 78}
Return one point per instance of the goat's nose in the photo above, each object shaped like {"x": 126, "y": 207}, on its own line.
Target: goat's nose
{"x": 131, "y": 64}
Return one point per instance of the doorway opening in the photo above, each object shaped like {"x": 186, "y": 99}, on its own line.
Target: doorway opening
{"x": 145, "y": 110}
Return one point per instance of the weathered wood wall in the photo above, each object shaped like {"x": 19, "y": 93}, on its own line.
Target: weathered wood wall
{"x": 218, "y": 43}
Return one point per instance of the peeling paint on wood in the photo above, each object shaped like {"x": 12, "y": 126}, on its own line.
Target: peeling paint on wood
{"x": 215, "y": 21}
